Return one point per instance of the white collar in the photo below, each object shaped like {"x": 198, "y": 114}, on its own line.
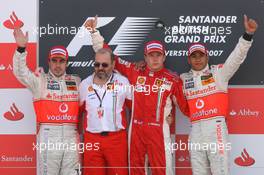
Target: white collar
{"x": 196, "y": 73}
{"x": 57, "y": 78}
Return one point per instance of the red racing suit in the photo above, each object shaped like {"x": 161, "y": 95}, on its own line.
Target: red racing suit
{"x": 154, "y": 93}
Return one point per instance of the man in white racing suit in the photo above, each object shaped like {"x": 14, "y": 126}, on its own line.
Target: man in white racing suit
{"x": 56, "y": 103}
{"x": 206, "y": 92}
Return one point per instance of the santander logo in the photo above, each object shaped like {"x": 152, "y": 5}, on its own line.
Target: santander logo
{"x": 2, "y": 67}
{"x": 245, "y": 112}
{"x": 233, "y": 113}
{"x": 14, "y": 114}
{"x": 13, "y": 22}
{"x": 244, "y": 159}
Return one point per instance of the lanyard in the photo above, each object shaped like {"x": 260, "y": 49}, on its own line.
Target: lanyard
{"x": 101, "y": 99}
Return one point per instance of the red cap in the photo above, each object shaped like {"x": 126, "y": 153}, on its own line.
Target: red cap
{"x": 197, "y": 47}
{"x": 154, "y": 45}
{"x": 58, "y": 52}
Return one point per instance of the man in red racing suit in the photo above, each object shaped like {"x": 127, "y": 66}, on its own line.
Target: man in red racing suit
{"x": 155, "y": 90}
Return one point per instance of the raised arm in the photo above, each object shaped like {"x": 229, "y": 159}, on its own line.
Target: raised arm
{"x": 124, "y": 67}
{"x": 20, "y": 69}
{"x": 238, "y": 55}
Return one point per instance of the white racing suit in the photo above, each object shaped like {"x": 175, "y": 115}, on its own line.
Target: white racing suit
{"x": 206, "y": 93}
{"x": 56, "y": 103}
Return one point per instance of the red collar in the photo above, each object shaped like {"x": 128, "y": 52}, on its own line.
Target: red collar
{"x": 156, "y": 73}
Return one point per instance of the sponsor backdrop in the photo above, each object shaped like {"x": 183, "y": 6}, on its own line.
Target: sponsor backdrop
{"x": 126, "y": 26}
{"x": 17, "y": 117}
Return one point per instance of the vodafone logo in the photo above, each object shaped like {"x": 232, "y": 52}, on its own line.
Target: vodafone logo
{"x": 14, "y": 114}
{"x": 199, "y": 104}
{"x": 63, "y": 108}
{"x": 244, "y": 159}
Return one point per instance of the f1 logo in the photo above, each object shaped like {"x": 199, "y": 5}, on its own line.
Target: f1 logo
{"x": 128, "y": 37}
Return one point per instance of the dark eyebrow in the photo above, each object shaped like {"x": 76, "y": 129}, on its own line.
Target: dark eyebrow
{"x": 56, "y": 60}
